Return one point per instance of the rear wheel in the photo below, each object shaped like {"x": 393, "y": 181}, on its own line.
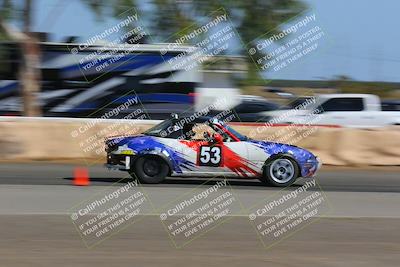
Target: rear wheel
{"x": 150, "y": 169}
{"x": 280, "y": 171}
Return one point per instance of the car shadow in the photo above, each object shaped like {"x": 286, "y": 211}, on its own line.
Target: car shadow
{"x": 103, "y": 180}
{"x": 184, "y": 182}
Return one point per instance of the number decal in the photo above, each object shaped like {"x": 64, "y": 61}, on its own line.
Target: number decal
{"x": 216, "y": 151}
{"x": 205, "y": 154}
{"x": 210, "y": 156}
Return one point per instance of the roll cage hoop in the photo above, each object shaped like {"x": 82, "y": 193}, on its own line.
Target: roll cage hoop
{"x": 173, "y": 127}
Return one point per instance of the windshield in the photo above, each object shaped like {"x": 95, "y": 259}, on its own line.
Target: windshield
{"x": 240, "y": 136}
{"x": 169, "y": 129}
{"x": 159, "y": 128}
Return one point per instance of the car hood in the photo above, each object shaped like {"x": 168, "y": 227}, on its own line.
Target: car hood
{"x": 137, "y": 143}
{"x": 113, "y": 142}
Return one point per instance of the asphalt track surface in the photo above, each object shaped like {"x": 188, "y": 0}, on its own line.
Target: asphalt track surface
{"x": 352, "y": 180}
{"x": 362, "y": 228}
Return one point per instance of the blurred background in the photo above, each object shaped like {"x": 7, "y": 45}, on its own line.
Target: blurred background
{"x": 39, "y": 78}
{"x": 87, "y": 58}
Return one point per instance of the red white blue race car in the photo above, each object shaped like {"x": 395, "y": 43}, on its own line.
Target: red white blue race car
{"x": 206, "y": 147}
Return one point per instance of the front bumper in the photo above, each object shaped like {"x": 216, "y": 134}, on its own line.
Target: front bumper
{"x": 311, "y": 168}
{"x": 319, "y": 163}
{"x": 119, "y": 162}
{"x": 115, "y": 167}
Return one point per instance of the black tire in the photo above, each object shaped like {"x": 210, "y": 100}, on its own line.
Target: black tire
{"x": 150, "y": 169}
{"x": 280, "y": 171}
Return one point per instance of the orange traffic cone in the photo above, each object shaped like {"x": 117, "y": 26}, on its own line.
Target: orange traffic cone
{"x": 81, "y": 177}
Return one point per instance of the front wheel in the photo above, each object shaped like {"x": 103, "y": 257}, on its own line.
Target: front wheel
{"x": 150, "y": 169}
{"x": 280, "y": 171}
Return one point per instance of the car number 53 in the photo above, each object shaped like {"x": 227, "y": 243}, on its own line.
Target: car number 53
{"x": 210, "y": 156}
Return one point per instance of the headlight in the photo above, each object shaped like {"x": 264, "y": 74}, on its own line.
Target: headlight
{"x": 124, "y": 150}
{"x": 127, "y": 152}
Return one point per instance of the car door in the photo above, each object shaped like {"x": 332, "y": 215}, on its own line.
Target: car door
{"x": 224, "y": 158}
{"x": 210, "y": 157}
{"x": 235, "y": 158}
{"x": 205, "y": 156}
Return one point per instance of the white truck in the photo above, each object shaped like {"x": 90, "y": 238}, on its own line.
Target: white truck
{"x": 347, "y": 110}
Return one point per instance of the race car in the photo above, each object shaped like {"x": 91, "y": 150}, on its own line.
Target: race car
{"x": 206, "y": 147}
